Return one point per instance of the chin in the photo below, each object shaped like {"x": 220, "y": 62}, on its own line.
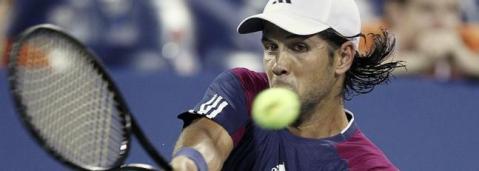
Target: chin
{"x": 287, "y": 86}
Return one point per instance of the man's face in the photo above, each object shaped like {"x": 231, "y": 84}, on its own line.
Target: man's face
{"x": 300, "y": 63}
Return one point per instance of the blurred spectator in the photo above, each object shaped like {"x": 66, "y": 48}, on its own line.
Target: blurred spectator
{"x": 471, "y": 10}
{"x": 178, "y": 39}
{"x": 432, "y": 38}
{"x": 368, "y": 10}
{"x": 219, "y": 45}
{"x": 124, "y": 33}
{"x": 5, "y": 9}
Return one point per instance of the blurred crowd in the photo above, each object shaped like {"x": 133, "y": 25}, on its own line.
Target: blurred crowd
{"x": 436, "y": 39}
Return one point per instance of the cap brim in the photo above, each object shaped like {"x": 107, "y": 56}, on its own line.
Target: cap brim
{"x": 291, "y": 23}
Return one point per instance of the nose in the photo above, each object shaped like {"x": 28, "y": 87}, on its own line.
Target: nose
{"x": 279, "y": 70}
{"x": 280, "y": 65}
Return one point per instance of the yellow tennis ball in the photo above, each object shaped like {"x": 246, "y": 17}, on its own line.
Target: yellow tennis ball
{"x": 276, "y": 108}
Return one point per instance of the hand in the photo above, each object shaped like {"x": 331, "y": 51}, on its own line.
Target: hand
{"x": 182, "y": 163}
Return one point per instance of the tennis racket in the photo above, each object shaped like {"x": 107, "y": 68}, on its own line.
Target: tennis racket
{"x": 70, "y": 104}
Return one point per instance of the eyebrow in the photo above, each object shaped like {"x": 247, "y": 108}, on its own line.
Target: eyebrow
{"x": 292, "y": 36}
{"x": 265, "y": 39}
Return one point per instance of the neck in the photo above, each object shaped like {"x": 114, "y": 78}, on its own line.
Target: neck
{"x": 325, "y": 120}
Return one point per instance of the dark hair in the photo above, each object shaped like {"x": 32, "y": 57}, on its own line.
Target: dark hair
{"x": 368, "y": 69}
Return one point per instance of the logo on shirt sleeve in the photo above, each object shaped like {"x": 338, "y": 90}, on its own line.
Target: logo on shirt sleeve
{"x": 212, "y": 107}
{"x": 281, "y": 1}
{"x": 279, "y": 167}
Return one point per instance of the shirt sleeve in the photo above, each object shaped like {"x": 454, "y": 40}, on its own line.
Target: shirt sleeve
{"x": 228, "y": 100}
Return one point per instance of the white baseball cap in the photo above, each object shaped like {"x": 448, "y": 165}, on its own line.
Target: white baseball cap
{"x": 307, "y": 17}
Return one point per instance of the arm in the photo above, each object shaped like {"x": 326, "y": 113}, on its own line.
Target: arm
{"x": 208, "y": 138}
{"x": 215, "y": 124}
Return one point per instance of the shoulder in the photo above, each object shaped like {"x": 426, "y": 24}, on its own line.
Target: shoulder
{"x": 239, "y": 86}
{"x": 251, "y": 82}
{"x": 244, "y": 76}
{"x": 248, "y": 77}
{"x": 362, "y": 154}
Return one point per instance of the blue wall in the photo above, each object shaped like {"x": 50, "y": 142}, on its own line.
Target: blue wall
{"x": 420, "y": 125}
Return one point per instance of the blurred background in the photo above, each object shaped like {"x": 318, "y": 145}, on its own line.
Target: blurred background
{"x": 164, "y": 53}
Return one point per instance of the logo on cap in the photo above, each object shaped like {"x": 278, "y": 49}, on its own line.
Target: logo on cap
{"x": 282, "y": 1}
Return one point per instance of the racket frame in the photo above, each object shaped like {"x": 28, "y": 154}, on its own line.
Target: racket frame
{"x": 130, "y": 125}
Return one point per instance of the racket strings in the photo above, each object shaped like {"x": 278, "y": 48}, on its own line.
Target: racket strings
{"x": 68, "y": 101}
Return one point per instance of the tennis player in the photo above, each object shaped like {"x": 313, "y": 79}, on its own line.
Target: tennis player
{"x": 310, "y": 47}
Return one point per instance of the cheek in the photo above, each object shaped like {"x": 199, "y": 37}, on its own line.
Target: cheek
{"x": 317, "y": 80}
{"x": 315, "y": 88}
{"x": 267, "y": 62}
{"x": 268, "y": 65}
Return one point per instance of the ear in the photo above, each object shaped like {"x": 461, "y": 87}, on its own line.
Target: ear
{"x": 345, "y": 57}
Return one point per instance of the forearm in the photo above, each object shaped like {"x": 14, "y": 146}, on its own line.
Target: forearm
{"x": 205, "y": 136}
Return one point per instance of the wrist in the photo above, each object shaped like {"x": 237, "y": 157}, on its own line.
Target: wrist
{"x": 183, "y": 163}
{"x": 191, "y": 156}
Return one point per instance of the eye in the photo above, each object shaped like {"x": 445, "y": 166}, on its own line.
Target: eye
{"x": 268, "y": 46}
{"x": 300, "y": 47}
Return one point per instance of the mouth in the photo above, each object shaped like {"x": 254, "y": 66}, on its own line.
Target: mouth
{"x": 281, "y": 84}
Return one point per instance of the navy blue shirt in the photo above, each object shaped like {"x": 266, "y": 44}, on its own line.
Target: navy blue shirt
{"x": 228, "y": 102}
